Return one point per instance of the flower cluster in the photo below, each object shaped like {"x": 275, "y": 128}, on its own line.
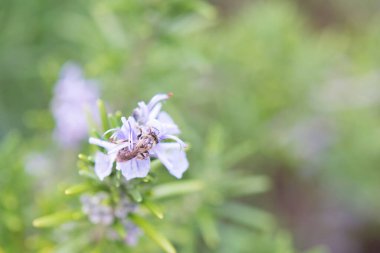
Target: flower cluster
{"x": 148, "y": 133}
{"x": 99, "y": 210}
{"x": 73, "y": 95}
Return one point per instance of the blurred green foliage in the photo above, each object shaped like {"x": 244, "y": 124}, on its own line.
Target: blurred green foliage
{"x": 15, "y": 196}
{"x": 242, "y": 85}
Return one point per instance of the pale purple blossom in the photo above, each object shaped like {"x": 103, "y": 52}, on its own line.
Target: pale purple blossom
{"x": 144, "y": 112}
{"x": 124, "y": 207}
{"x": 124, "y": 139}
{"x": 141, "y": 137}
{"x": 132, "y": 236}
{"x": 37, "y": 163}
{"x": 73, "y": 95}
{"x": 171, "y": 154}
{"x": 147, "y": 112}
{"x": 133, "y": 233}
{"x": 97, "y": 210}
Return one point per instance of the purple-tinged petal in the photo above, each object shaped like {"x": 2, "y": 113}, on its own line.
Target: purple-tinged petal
{"x": 130, "y": 137}
{"x": 101, "y": 214}
{"x": 133, "y": 234}
{"x": 134, "y": 168}
{"x": 124, "y": 207}
{"x": 104, "y": 144}
{"x": 155, "y": 111}
{"x": 119, "y": 134}
{"x": 123, "y": 133}
{"x": 130, "y": 128}
{"x": 141, "y": 113}
{"x": 173, "y": 157}
{"x": 73, "y": 97}
{"x": 103, "y": 165}
{"x": 168, "y": 123}
{"x": 143, "y": 107}
{"x": 157, "y": 99}
{"x": 71, "y": 70}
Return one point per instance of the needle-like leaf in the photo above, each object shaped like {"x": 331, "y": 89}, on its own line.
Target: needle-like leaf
{"x": 153, "y": 234}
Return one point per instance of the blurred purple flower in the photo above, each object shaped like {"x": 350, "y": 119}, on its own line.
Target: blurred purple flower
{"x": 73, "y": 95}
{"x": 133, "y": 233}
{"x": 124, "y": 207}
{"x": 97, "y": 211}
{"x": 132, "y": 236}
{"x": 37, "y": 163}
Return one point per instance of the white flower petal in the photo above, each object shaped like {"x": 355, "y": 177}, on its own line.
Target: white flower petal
{"x": 103, "y": 165}
{"x": 104, "y": 144}
{"x": 173, "y": 157}
{"x": 168, "y": 123}
{"x": 134, "y": 168}
{"x": 155, "y": 111}
{"x": 157, "y": 99}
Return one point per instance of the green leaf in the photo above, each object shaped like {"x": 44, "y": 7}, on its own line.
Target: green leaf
{"x": 135, "y": 194}
{"x": 86, "y": 159}
{"x": 318, "y": 249}
{"x": 214, "y": 147}
{"x": 56, "y": 219}
{"x": 118, "y": 178}
{"x": 237, "y": 153}
{"x": 248, "y": 185}
{"x": 92, "y": 124}
{"x": 88, "y": 174}
{"x": 103, "y": 115}
{"x": 206, "y": 10}
{"x": 94, "y": 133}
{"x": 12, "y": 220}
{"x": 77, "y": 189}
{"x": 208, "y": 229}
{"x": 155, "y": 164}
{"x": 153, "y": 234}
{"x": 177, "y": 188}
{"x": 247, "y": 216}
{"x": 118, "y": 114}
{"x": 120, "y": 229}
{"x": 114, "y": 123}
{"x": 114, "y": 119}
{"x": 155, "y": 209}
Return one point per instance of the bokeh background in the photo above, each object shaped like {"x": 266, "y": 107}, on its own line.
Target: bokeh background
{"x": 289, "y": 90}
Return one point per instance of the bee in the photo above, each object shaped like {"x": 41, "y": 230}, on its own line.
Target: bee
{"x": 140, "y": 150}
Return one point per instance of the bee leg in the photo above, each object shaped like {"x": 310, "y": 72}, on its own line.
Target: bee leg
{"x": 139, "y": 135}
{"x": 145, "y": 155}
{"x": 142, "y": 156}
